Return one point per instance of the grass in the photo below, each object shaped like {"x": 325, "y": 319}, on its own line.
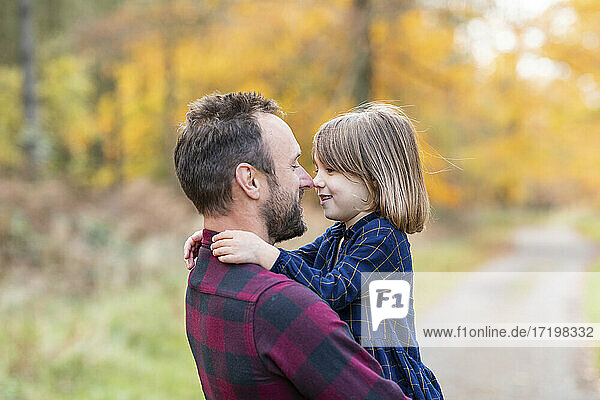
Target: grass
{"x": 92, "y": 296}
{"x": 592, "y": 300}
{"x": 589, "y": 225}
{"x": 126, "y": 344}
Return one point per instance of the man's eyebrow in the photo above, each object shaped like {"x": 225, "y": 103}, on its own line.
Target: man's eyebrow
{"x": 297, "y": 157}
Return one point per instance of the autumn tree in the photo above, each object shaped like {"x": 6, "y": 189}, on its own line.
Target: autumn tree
{"x": 114, "y": 85}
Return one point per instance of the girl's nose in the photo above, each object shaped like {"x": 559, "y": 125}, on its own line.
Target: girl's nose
{"x": 318, "y": 182}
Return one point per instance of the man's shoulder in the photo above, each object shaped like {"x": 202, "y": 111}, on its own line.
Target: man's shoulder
{"x": 292, "y": 310}
{"x": 241, "y": 281}
{"x": 287, "y": 294}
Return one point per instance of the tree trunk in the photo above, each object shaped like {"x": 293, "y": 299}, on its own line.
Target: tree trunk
{"x": 31, "y": 128}
{"x": 362, "y": 68}
{"x": 169, "y": 129}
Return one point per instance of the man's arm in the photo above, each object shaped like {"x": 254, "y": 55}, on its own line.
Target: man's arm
{"x": 298, "y": 336}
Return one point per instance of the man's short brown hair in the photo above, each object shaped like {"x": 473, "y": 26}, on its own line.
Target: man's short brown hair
{"x": 220, "y": 132}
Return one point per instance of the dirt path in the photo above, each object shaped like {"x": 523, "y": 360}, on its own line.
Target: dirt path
{"x": 524, "y": 372}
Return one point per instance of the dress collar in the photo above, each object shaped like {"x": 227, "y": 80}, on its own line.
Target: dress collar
{"x": 360, "y": 223}
{"x": 339, "y": 228}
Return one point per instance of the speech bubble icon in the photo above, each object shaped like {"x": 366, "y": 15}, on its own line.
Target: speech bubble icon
{"x": 389, "y": 299}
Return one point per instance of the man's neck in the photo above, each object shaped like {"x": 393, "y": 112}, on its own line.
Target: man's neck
{"x": 237, "y": 222}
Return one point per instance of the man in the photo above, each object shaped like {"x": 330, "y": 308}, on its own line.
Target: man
{"x": 255, "y": 334}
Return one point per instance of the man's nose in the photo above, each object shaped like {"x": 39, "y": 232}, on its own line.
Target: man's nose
{"x": 306, "y": 181}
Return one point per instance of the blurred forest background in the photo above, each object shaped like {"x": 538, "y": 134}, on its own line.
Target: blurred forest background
{"x": 505, "y": 94}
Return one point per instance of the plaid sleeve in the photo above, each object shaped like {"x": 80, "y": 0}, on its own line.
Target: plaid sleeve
{"x": 376, "y": 249}
{"x": 298, "y": 336}
{"x": 306, "y": 253}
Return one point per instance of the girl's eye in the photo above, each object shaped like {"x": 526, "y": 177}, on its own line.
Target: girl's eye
{"x": 328, "y": 170}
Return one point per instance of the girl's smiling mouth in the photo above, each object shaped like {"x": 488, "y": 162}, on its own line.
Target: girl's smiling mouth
{"x": 324, "y": 198}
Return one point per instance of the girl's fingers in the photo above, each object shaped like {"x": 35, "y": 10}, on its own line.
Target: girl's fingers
{"x": 187, "y": 248}
{"x": 221, "y": 251}
{"x": 221, "y": 243}
{"x": 191, "y": 243}
{"x": 227, "y": 259}
{"x": 223, "y": 235}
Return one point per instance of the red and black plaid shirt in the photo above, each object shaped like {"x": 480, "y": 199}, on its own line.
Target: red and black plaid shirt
{"x": 258, "y": 335}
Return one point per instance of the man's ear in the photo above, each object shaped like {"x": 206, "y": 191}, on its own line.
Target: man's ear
{"x": 246, "y": 177}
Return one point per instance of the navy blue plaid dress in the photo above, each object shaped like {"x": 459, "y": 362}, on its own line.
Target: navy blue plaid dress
{"x": 372, "y": 244}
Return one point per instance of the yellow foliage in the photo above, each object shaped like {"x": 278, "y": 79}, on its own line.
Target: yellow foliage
{"x": 140, "y": 101}
{"x": 106, "y": 115}
{"x": 104, "y": 176}
{"x": 519, "y": 141}
{"x": 442, "y": 193}
{"x": 10, "y": 116}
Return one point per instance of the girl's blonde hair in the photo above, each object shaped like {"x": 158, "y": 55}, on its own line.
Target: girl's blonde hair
{"x": 377, "y": 143}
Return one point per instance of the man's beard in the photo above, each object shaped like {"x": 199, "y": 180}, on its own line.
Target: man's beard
{"x": 282, "y": 214}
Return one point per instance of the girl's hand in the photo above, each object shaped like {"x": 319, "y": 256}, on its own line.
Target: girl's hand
{"x": 190, "y": 249}
{"x": 241, "y": 247}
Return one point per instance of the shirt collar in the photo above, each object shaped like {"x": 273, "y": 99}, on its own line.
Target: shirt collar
{"x": 207, "y": 236}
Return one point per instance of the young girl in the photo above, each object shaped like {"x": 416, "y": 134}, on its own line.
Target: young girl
{"x": 369, "y": 178}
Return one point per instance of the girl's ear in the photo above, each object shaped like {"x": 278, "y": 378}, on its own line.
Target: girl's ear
{"x": 246, "y": 178}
